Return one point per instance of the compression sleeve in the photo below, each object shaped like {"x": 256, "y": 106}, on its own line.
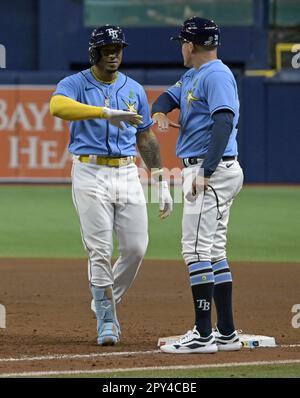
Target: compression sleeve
{"x": 69, "y": 109}
{"x": 221, "y": 130}
{"x": 163, "y": 104}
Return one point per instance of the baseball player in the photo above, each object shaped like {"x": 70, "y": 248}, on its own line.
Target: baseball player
{"x": 209, "y": 109}
{"x": 109, "y": 116}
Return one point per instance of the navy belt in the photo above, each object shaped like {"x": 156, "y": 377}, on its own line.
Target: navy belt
{"x": 192, "y": 161}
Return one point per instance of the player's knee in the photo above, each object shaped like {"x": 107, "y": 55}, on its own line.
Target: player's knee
{"x": 140, "y": 249}
{"x": 137, "y": 248}
{"x": 100, "y": 258}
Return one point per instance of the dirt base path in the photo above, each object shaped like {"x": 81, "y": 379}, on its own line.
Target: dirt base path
{"x": 48, "y": 313}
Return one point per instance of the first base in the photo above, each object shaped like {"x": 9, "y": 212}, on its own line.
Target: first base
{"x": 248, "y": 340}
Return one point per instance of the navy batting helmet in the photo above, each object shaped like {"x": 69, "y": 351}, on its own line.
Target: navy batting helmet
{"x": 108, "y": 34}
{"x": 200, "y": 31}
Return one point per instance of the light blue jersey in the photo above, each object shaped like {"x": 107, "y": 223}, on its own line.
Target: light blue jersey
{"x": 97, "y": 136}
{"x": 200, "y": 93}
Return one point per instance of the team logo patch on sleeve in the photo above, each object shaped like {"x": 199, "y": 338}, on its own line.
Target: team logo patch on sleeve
{"x": 178, "y": 84}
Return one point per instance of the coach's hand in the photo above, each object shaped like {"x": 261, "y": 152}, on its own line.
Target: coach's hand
{"x": 163, "y": 122}
{"x": 165, "y": 200}
{"x": 199, "y": 185}
{"x": 116, "y": 117}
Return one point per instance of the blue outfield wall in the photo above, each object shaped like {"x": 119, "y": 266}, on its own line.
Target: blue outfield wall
{"x": 282, "y": 144}
{"x": 251, "y": 132}
{"x": 269, "y": 134}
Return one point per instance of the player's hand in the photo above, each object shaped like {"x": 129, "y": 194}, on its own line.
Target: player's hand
{"x": 199, "y": 185}
{"x": 116, "y": 117}
{"x": 165, "y": 200}
{"x": 163, "y": 122}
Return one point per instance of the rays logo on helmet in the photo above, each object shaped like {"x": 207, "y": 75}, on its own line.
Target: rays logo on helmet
{"x": 201, "y": 31}
{"x": 103, "y": 35}
{"x": 113, "y": 33}
{"x": 209, "y": 41}
{"x": 212, "y": 40}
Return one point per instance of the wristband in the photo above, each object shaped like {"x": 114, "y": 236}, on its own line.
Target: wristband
{"x": 157, "y": 174}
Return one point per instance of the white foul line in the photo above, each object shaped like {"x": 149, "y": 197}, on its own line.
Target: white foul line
{"x": 101, "y": 354}
{"x": 78, "y": 356}
{"x": 153, "y": 368}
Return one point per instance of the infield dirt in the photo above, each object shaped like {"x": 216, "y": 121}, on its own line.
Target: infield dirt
{"x": 48, "y": 312}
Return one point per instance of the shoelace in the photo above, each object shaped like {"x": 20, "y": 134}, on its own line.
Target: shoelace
{"x": 187, "y": 336}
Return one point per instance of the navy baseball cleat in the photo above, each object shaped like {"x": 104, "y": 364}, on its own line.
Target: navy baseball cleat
{"x": 192, "y": 343}
{"x": 227, "y": 343}
{"x": 108, "y": 334}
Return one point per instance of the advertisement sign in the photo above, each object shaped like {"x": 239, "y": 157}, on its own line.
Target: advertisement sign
{"x": 34, "y": 144}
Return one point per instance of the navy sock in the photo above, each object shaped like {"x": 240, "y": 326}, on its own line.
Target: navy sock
{"x": 202, "y": 284}
{"x": 223, "y": 297}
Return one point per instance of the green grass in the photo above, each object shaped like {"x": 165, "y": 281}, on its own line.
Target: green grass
{"x": 262, "y": 371}
{"x": 40, "y": 221}
{"x": 264, "y": 225}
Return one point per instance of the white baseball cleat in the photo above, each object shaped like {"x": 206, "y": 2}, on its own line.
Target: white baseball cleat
{"x": 192, "y": 343}
{"x": 228, "y": 343}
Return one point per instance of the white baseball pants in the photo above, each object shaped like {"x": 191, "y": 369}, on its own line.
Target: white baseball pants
{"x": 111, "y": 199}
{"x": 205, "y": 221}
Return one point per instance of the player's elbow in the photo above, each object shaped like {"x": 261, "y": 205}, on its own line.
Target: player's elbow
{"x": 58, "y": 106}
{"x": 54, "y": 106}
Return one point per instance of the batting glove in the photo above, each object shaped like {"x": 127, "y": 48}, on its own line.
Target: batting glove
{"x": 165, "y": 200}
{"x": 117, "y": 117}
